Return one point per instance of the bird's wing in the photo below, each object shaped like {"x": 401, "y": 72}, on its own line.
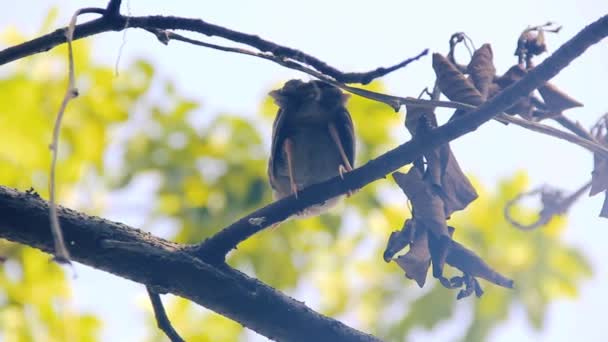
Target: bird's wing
{"x": 278, "y": 136}
{"x": 346, "y": 131}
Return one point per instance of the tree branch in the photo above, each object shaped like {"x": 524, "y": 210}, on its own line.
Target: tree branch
{"x": 166, "y": 266}
{"x": 113, "y": 21}
{"x": 574, "y": 127}
{"x": 215, "y": 248}
{"x": 113, "y": 8}
{"x": 162, "y": 321}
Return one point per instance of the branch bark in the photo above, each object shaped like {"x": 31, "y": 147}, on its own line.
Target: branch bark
{"x": 166, "y": 266}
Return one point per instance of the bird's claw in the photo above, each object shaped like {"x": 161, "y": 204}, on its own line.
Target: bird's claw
{"x": 342, "y": 170}
{"x": 294, "y": 189}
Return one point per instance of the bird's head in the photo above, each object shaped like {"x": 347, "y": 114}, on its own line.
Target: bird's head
{"x": 309, "y": 100}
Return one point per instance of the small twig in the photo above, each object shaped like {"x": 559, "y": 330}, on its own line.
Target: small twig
{"x": 544, "y": 27}
{"x": 558, "y": 206}
{"x": 124, "y": 36}
{"x": 573, "y": 127}
{"x": 393, "y": 101}
{"x": 162, "y": 321}
{"x": 61, "y": 253}
{"x": 113, "y": 8}
{"x": 590, "y": 145}
{"x": 113, "y": 21}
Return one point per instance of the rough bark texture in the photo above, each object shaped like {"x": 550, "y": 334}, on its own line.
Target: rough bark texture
{"x": 168, "y": 267}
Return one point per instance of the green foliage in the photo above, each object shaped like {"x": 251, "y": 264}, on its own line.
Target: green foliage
{"x": 35, "y": 300}
{"x": 212, "y": 173}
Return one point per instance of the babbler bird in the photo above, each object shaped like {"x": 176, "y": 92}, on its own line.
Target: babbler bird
{"x": 313, "y": 138}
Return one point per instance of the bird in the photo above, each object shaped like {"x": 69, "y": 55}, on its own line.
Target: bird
{"x": 313, "y": 139}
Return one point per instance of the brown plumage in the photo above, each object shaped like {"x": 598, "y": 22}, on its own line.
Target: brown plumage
{"x": 312, "y": 138}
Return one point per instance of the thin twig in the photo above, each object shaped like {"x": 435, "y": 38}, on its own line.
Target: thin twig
{"x": 116, "y": 22}
{"x": 573, "y": 127}
{"x": 61, "y": 252}
{"x": 162, "y": 320}
{"x": 124, "y": 37}
{"x": 585, "y": 143}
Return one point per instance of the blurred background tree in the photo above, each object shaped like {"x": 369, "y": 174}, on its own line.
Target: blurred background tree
{"x": 208, "y": 172}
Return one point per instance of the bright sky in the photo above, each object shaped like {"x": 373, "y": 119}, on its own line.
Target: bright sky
{"x": 358, "y": 36}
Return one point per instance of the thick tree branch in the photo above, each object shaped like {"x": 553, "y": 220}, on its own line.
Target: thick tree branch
{"x": 163, "y": 265}
{"x": 215, "y": 248}
{"x": 113, "y": 21}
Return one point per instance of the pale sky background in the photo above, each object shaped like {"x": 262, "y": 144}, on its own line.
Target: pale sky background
{"x": 359, "y": 36}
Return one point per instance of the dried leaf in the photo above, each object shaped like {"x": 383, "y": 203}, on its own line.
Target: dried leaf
{"x": 482, "y": 70}
{"x": 417, "y": 260}
{"x": 427, "y": 207}
{"x": 514, "y": 74}
{"x": 523, "y": 107}
{"x": 453, "y": 83}
{"x": 556, "y": 100}
{"x": 448, "y": 180}
{"x": 599, "y": 175}
{"x": 399, "y": 240}
{"x": 469, "y": 263}
{"x": 414, "y": 115}
{"x": 604, "y": 212}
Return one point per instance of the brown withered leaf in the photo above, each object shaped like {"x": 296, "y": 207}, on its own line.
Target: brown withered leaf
{"x": 399, "y": 240}
{"x": 556, "y": 100}
{"x": 414, "y": 114}
{"x": 429, "y": 213}
{"x": 514, "y": 74}
{"x": 604, "y": 211}
{"x": 599, "y": 175}
{"x": 417, "y": 260}
{"x": 470, "y": 264}
{"x": 482, "y": 70}
{"x": 524, "y": 107}
{"x": 453, "y": 83}
{"x": 448, "y": 180}
{"x": 427, "y": 207}
{"x": 443, "y": 171}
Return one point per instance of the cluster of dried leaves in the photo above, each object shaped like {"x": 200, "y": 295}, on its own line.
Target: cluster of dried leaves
{"x": 436, "y": 186}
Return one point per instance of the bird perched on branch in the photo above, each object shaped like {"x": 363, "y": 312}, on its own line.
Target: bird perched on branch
{"x": 313, "y": 139}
